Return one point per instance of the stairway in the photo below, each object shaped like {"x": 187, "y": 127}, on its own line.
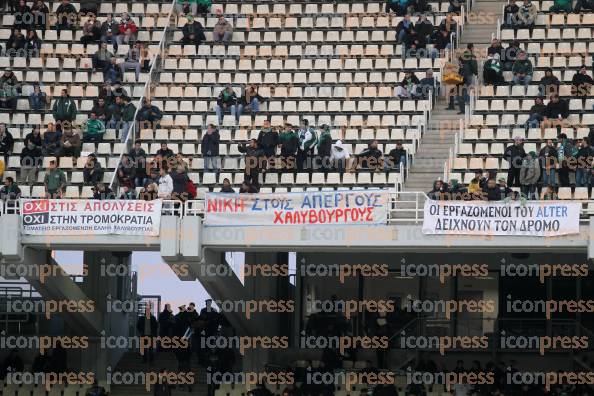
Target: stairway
{"x": 482, "y": 23}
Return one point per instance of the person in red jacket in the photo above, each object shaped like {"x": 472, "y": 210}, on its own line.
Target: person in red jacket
{"x": 127, "y": 30}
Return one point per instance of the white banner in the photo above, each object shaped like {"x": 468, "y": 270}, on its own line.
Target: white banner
{"x": 309, "y": 208}
{"x": 535, "y": 218}
{"x": 90, "y": 217}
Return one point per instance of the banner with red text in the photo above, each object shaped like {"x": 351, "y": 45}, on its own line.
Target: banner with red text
{"x": 306, "y": 208}
{"x": 90, "y": 217}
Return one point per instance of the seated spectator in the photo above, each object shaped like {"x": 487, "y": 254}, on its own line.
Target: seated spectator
{"x": 115, "y": 112}
{"x": 133, "y": 60}
{"x": 66, "y": 16}
{"x": 101, "y": 110}
{"x": 529, "y": 175}
{"x": 22, "y": 16}
{"x": 227, "y": 188}
{"x": 31, "y": 157}
{"x": 339, "y": 155}
{"x": 424, "y": 27}
{"x": 223, "y": 31}
{"x": 70, "y": 143}
{"x": 9, "y": 90}
{"x": 249, "y": 101}
{"x": 400, "y": 92}
{"x": 506, "y": 192}
{"x": 128, "y": 112}
{"x": 248, "y": 188}
{"x": 397, "y": 157}
{"x": 549, "y": 84}
{"x": 442, "y": 42}
{"x": 6, "y": 143}
{"x": 64, "y": 110}
{"x": 584, "y": 4}
{"x": 449, "y": 24}
{"x": 40, "y": 14}
{"x": 92, "y": 172}
{"x": 403, "y": 29}
{"x": 127, "y": 30}
{"x": 102, "y": 191}
{"x": 439, "y": 191}
{"x": 109, "y": 32}
{"x": 548, "y": 159}
{"x": 138, "y": 158}
{"x": 180, "y": 180}
{"x": 427, "y": 85}
{"x": 400, "y": 7}
{"x": 94, "y": 129}
{"x": 32, "y": 45}
{"x": 89, "y": 7}
{"x": 54, "y": 181}
{"x": 510, "y": 13}
{"x": 527, "y": 14}
{"x": 455, "y": 6}
{"x": 557, "y": 108}
{"x": 193, "y": 32}
{"x": 38, "y": 99}
{"x": 210, "y": 149}
{"x": 91, "y": 31}
{"x": 371, "y": 157}
{"x": 495, "y": 48}
{"x": 537, "y": 114}
{"x": 561, "y": 6}
{"x": 522, "y": 70}
{"x": 10, "y": 190}
{"x": 128, "y": 193}
{"x": 548, "y": 193}
{"x": 165, "y": 152}
{"x": 102, "y": 58}
{"x": 112, "y": 71}
{"x": 15, "y": 45}
{"x": 165, "y": 184}
{"x": 493, "y": 71}
{"x": 149, "y": 114}
{"x": 226, "y": 102}
{"x": 581, "y": 83}
{"x": 410, "y": 82}
{"x": 474, "y": 188}
{"x": 150, "y": 193}
{"x": 126, "y": 172}
{"x": 51, "y": 141}
{"x": 492, "y": 192}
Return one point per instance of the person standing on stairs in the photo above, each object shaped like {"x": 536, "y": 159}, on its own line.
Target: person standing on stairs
{"x": 514, "y": 155}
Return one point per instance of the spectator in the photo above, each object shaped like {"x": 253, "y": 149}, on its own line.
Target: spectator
{"x": 557, "y": 109}
{"x": 307, "y": 142}
{"x": 127, "y": 30}
{"x": 510, "y": 13}
{"x": 150, "y": 193}
{"x": 439, "y": 191}
{"x": 325, "y": 147}
{"x": 10, "y": 190}
{"x": 424, "y": 27}
{"x": 180, "y": 181}
{"x": 37, "y": 99}
{"x": 149, "y": 113}
{"x": 16, "y": 44}
{"x": 474, "y": 188}
{"x": 561, "y": 6}
{"x": 397, "y": 157}
{"x": 339, "y": 156}
{"x": 165, "y": 184}
{"x": 252, "y": 162}
{"x": 506, "y": 192}
{"x": 32, "y": 45}
{"x": 288, "y": 141}
{"x": 22, "y": 16}
{"x": 250, "y": 101}
{"x": 400, "y": 7}
{"x": 96, "y": 390}
{"x": 12, "y": 363}
{"x": 102, "y": 58}
{"x": 400, "y": 92}
{"x": 581, "y": 83}
{"x": 193, "y": 32}
{"x": 522, "y": 70}
{"x": 91, "y": 31}
{"x": 247, "y": 188}
{"x": 468, "y": 65}
{"x": 492, "y": 193}
{"x": 165, "y": 152}
{"x": 88, "y": 7}
{"x": 31, "y": 157}
{"x": 147, "y": 327}
{"x": 101, "y": 110}
{"x": 583, "y": 169}
{"x": 549, "y": 84}
{"x": 442, "y": 42}
{"x": 227, "y": 187}
{"x": 66, "y": 16}
{"x": 537, "y": 114}
{"x": 529, "y": 175}
{"x": 410, "y": 82}
{"x": 527, "y": 14}
{"x": 70, "y": 143}
{"x": 449, "y": 24}
{"x": 112, "y": 71}
{"x": 403, "y": 29}
{"x": 493, "y": 71}
{"x": 64, "y": 110}
{"x": 54, "y": 181}
{"x": 40, "y": 14}
{"x": 138, "y": 158}
{"x": 126, "y": 172}
{"x": 514, "y": 155}
{"x": 51, "y": 141}
{"x": 548, "y": 194}
{"x": 92, "y": 172}
{"x": 548, "y": 158}
{"x": 495, "y": 48}
{"x": 371, "y": 157}
{"x": 226, "y": 102}
{"x": 210, "y": 149}
{"x": 455, "y": 6}
{"x": 427, "y": 85}
{"x": 133, "y": 60}
{"x": 9, "y": 89}
{"x": 566, "y": 153}
{"x": 223, "y": 31}
{"x": 510, "y": 54}
{"x": 109, "y": 32}
{"x": 94, "y": 129}
{"x": 482, "y": 180}
{"x": 115, "y": 112}
{"x": 260, "y": 390}
{"x": 267, "y": 141}
{"x": 585, "y": 4}
{"x": 6, "y": 143}
{"x": 166, "y": 322}
{"x": 128, "y": 112}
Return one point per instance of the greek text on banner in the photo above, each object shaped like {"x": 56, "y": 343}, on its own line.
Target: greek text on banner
{"x": 310, "y": 208}
{"x": 90, "y": 217}
{"x": 550, "y": 218}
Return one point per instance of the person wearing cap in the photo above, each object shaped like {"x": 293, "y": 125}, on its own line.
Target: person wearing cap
{"x": 193, "y": 32}
{"x": 514, "y": 155}
{"x": 226, "y": 102}
{"x": 529, "y": 175}
{"x": 324, "y": 148}
{"x": 522, "y": 70}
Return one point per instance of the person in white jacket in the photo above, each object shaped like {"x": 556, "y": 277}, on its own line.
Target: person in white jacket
{"x": 339, "y": 155}
{"x": 165, "y": 184}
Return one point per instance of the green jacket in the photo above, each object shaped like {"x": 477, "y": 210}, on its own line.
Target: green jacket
{"x": 64, "y": 109}
{"x": 522, "y": 67}
{"x": 95, "y": 127}
{"x": 128, "y": 112}
{"x": 307, "y": 139}
{"x": 563, "y": 3}
{"x": 55, "y": 180}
